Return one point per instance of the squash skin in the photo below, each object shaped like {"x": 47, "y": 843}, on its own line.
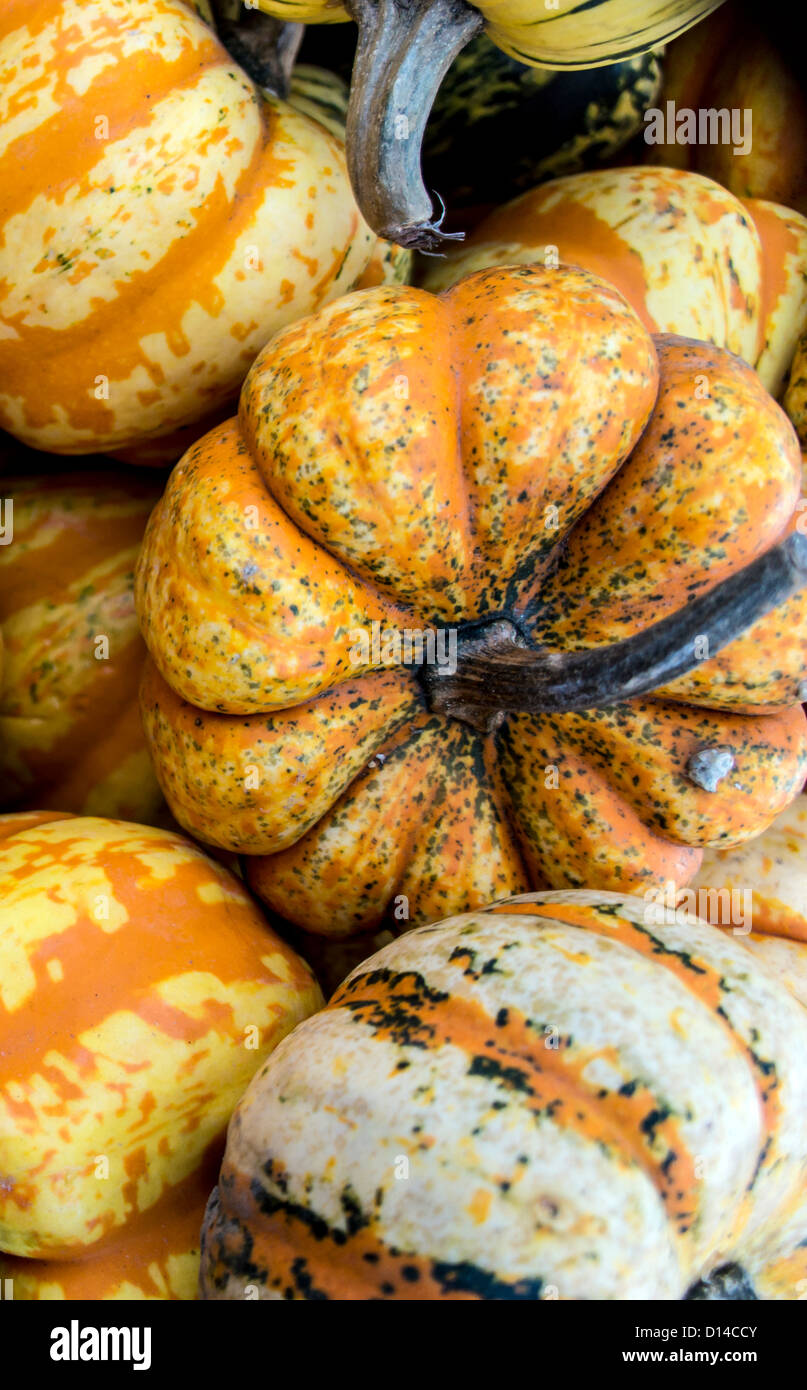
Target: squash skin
{"x": 253, "y": 224}
{"x": 70, "y": 731}
{"x": 156, "y": 1258}
{"x": 174, "y": 975}
{"x": 345, "y": 792}
{"x": 771, "y": 866}
{"x": 687, "y": 254}
{"x": 559, "y": 1140}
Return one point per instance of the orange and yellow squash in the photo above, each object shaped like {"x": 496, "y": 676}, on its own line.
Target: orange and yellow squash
{"x": 558, "y": 1097}
{"x": 157, "y": 1256}
{"x": 517, "y": 463}
{"x": 71, "y": 737}
{"x": 140, "y": 989}
{"x": 160, "y": 218}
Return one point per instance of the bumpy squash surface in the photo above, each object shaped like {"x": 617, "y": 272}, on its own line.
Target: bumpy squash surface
{"x": 688, "y": 255}
{"x": 415, "y": 462}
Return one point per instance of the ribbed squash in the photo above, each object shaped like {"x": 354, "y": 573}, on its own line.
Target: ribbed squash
{"x": 734, "y": 63}
{"x": 405, "y": 48}
{"x": 160, "y": 219}
{"x": 687, "y": 254}
{"x": 70, "y": 731}
{"x": 557, "y": 1097}
{"x": 517, "y": 462}
{"x": 140, "y": 989}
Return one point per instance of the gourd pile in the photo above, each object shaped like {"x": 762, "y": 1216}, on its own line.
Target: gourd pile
{"x": 408, "y": 620}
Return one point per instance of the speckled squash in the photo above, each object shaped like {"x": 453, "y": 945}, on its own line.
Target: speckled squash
{"x": 517, "y": 446}
{"x": 551, "y": 1098}
{"x": 687, "y": 254}
{"x": 160, "y": 219}
{"x": 732, "y": 62}
{"x": 70, "y": 732}
{"x": 140, "y": 989}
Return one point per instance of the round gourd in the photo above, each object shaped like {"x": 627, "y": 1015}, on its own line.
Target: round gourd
{"x": 557, "y": 1097}
{"x": 160, "y": 219}
{"x": 140, "y": 989}
{"x": 405, "y": 48}
{"x": 687, "y": 254}
{"x": 70, "y": 731}
{"x": 515, "y": 463}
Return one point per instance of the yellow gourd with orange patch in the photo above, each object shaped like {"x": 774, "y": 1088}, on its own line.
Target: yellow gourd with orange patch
{"x": 161, "y": 217}
{"x": 140, "y": 989}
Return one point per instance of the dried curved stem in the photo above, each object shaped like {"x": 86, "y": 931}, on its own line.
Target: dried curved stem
{"x": 404, "y": 50}
{"x": 496, "y": 672}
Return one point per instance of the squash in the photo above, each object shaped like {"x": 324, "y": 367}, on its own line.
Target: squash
{"x": 766, "y": 879}
{"x": 160, "y": 219}
{"x": 689, "y": 256}
{"x": 734, "y": 63}
{"x": 558, "y": 1097}
{"x": 322, "y": 96}
{"x": 70, "y": 731}
{"x": 134, "y": 967}
{"x": 406, "y": 47}
{"x": 156, "y": 1258}
{"x": 795, "y": 397}
{"x": 508, "y": 470}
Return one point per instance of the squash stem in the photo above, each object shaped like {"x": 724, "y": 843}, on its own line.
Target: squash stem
{"x": 405, "y": 48}
{"x": 265, "y": 48}
{"x": 496, "y": 672}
